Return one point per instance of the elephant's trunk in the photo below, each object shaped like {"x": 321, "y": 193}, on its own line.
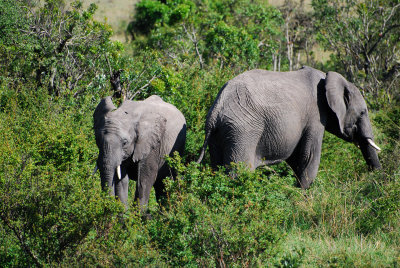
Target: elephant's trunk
{"x": 367, "y": 145}
{"x": 110, "y": 171}
{"x": 107, "y": 179}
{"x": 118, "y": 171}
{"x": 370, "y": 154}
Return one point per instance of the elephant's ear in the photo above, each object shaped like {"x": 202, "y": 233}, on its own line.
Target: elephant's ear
{"x": 337, "y": 96}
{"x": 150, "y": 130}
{"x": 103, "y": 108}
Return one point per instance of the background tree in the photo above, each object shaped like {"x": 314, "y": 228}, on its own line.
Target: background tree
{"x": 238, "y": 33}
{"x": 364, "y": 38}
{"x": 60, "y": 48}
{"x": 299, "y": 35}
{"x": 57, "y": 62}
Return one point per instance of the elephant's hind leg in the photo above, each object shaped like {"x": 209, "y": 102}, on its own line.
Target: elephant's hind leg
{"x": 241, "y": 152}
{"x": 159, "y": 186}
{"x": 306, "y": 158}
{"x": 216, "y": 152}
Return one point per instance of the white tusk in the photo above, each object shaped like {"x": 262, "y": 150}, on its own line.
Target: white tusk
{"x": 95, "y": 170}
{"x": 372, "y": 143}
{"x": 119, "y": 172}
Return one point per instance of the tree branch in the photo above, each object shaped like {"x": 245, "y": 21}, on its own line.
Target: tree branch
{"x": 143, "y": 87}
{"x": 21, "y": 240}
{"x": 389, "y": 74}
{"x": 381, "y": 36}
{"x": 192, "y": 37}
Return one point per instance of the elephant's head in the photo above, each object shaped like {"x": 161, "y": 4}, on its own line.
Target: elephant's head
{"x": 351, "y": 121}
{"x": 126, "y": 132}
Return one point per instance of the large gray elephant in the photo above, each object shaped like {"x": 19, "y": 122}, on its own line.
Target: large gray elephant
{"x": 262, "y": 118}
{"x": 133, "y": 141}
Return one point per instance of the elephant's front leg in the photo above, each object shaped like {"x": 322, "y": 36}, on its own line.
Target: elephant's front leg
{"x": 306, "y": 158}
{"x": 147, "y": 174}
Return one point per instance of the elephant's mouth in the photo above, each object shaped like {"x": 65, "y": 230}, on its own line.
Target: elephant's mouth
{"x": 350, "y": 134}
{"x": 354, "y": 135}
{"x": 356, "y": 144}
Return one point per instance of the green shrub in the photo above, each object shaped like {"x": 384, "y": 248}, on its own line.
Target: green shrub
{"x": 212, "y": 219}
{"x": 148, "y": 13}
{"x": 52, "y": 210}
{"x": 53, "y": 213}
{"x": 230, "y": 44}
{"x": 232, "y": 33}
{"x": 52, "y": 45}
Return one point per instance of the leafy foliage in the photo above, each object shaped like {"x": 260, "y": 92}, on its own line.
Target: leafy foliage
{"x": 365, "y": 37}
{"x": 236, "y": 33}
{"x": 190, "y": 228}
{"x": 56, "y": 62}
{"x": 45, "y": 199}
{"x": 56, "y": 48}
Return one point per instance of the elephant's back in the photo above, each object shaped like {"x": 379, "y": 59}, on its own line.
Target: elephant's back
{"x": 173, "y": 115}
{"x": 267, "y": 106}
{"x": 268, "y": 90}
{"x": 175, "y": 128}
{"x": 154, "y": 104}
{"x": 284, "y": 84}
{"x": 175, "y": 120}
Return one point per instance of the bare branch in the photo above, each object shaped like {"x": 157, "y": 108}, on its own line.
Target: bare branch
{"x": 381, "y": 36}
{"x": 143, "y": 87}
{"x": 109, "y": 65}
{"x": 193, "y": 38}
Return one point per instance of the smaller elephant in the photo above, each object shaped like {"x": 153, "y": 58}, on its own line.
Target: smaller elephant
{"x": 133, "y": 141}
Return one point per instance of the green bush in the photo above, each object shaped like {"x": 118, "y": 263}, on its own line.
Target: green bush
{"x": 45, "y": 202}
{"x": 52, "y": 46}
{"x": 148, "y": 13}
{"x": 52, "y": 210}
{"x": 212, "y": 219}
{"x": 232, "y": 33}
{"x": 230, "y": 44}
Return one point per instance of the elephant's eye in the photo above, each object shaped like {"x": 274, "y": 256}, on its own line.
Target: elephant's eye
{"x": 124, "y": 142}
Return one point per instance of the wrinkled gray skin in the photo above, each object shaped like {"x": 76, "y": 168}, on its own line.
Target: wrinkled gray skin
{"x": 136, "y": 137}
{"x": 262, "y": 118}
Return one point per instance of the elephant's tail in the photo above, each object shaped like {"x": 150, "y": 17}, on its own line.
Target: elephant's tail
{"x": 210, "y": 128}
{"x": 211, "y": 121}
{"x": 203, "y": 149}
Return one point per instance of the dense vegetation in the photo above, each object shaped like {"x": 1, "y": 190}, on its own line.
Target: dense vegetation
{"x": 57, "y": 62}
